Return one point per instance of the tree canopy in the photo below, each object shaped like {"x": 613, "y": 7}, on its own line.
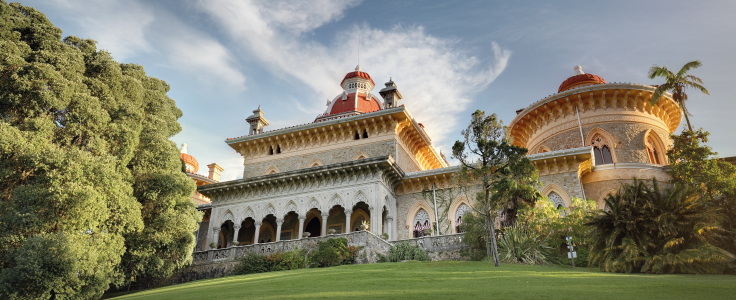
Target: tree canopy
{"x": 91, "y": 188}
{"x": 677, "y": 84}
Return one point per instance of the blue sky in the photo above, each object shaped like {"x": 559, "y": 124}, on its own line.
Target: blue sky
{"x": 223, "y": 58}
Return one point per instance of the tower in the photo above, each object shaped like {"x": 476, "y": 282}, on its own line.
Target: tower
{"x": 390, "y": 94}
{"x": 257, "y": 121}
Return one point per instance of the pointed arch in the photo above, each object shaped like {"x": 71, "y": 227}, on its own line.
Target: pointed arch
{"x": 314, "y": 163}
{"x": 604, "y": 146}
{"x": 602, "y": 199}
{"x": 418, "y": 205}
{"x": 268, "y": 210}
{"x": 227, "y": 215}
{"x": 266, "y": 230}
{"x": 313, "y": 203}
{"x": 334, "y": 201}
{"x": 290, "y": 206}
{"x": 248, "y": 213}
{"x": 452, "y": 212}
{"x": 655, "y": 148}
{"x": 542, "y": 149}
{"x": 357, "y": 214}
{"x": 360, "y": 155}
{"x": 551, "y": 187}
{"x": 271, "y": 170}
{"x": 360, "y": 197}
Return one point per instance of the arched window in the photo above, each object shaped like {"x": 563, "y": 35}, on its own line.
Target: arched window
{"x": 652, "y": 150}
{"x": 601, "y": 149}
{"x": 558, "y": 202}
{"x": 421, "y": 222}
{"x": 365, "y": 134}
{"x": 461, "y": 211}
{"x": 357, "y": 135}
{"x": 278, "y": 148}
{"x": 270, "y": 150}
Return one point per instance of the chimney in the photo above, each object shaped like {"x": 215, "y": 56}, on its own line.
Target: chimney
{"x": 215, "y": 171}
{"x": 256, "y": 121}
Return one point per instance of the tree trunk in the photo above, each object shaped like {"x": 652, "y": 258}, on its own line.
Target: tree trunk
{"x": 494, "y": 246}
{"x": 688, "y": 121}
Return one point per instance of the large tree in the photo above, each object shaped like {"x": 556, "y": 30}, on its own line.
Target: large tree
{"x": 506, "y": 177}
{"x": 91, "y": 188}
{"x": 677, "y": 84}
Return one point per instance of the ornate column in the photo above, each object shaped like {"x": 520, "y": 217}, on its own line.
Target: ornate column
{"x": 216, "y": 237}
{"x": 324, "y": 223}
{"x": 390, "y": 226}
{"x": 347, "y": 221}
{"x": 375, "y": 221}
{"x": 258, "y": 232}
{"x": 279, "y": 222}
{"x": 236, "y": 227}
{"x": 301, "y": 226}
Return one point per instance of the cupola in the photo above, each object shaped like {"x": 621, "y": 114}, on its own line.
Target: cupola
{"x": 190, "y": 163}
{"x": 580, "y": 79}
{"x": 356, "y": 97}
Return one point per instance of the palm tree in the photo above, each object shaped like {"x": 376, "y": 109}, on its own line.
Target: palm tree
{"x": 676, "y": 84}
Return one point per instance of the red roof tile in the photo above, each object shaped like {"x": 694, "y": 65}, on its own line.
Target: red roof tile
{"x": 190, "y": 160}
{"x": 348, "y": 105}
{"x": 358, "y": 74}
{"x": 579, "y": 79}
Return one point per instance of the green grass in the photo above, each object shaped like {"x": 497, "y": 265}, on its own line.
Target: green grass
{"x": 449, "y": 280}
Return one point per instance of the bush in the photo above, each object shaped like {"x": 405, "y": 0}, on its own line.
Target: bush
{"x": 406, "y": 251}
{"x": 520, "y": 245}
{"x": 332, "y": 252}
{"x": 256, "y": 263}
{"x": 253, "y": 263}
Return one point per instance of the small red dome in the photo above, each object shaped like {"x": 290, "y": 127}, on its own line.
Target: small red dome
{"x": 580, "y": 79}
{"x": 190, "y": 160}
{"x": 360, "y": 74}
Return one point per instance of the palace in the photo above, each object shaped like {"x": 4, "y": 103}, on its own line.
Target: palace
{"x": 366, "y": 163}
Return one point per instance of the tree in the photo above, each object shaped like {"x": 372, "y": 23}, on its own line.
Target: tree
{"x": 91, "y": 192}
{"x": 650, "y": 230}
{"x": 677, "y": 84}
{"x": 692, "y": 163}
{"x": 506, "y": 177}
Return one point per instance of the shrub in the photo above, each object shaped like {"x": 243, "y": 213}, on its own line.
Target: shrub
{"x": 253, "y": 263}
{"x": 331, "y": 252}
{"x": 520, "y": 245}
{"x": 406, "y": 251}
{"x": 256, "y": 263}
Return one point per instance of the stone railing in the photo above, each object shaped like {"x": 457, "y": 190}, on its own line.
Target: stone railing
{"x": 358, "y": 238}
{"x": 437, "y": 243}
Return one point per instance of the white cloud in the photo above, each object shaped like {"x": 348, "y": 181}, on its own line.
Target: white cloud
{"x": 436, "y": 76}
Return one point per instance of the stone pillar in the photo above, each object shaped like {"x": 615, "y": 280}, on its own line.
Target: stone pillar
{"x": 389, "y": 228}
{"x": 216, "y": 237}
{"x": 258, "y": 232}
{"x": 279, "y": 222}
{"x": 347, "y": 221}
{"x": 236, "y": 227}
{"x": 375, "y": 221}
{"x": 324, "y": 223}
{"x": 301, "y": 226}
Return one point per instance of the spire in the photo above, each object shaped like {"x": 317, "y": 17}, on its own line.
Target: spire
{"x": 578, "y": 70}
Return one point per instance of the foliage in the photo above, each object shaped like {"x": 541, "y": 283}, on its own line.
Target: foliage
{"x": 677, "y": 84}
{"x": 521, "y": 245}
{"x": 692, "y": 163}
{"x": 658, "y": 231}
{"x": 475, "y": 233}
{"x": 256, "y": 263}
{"x": 332, "y": 252}
{"x": 86, "y": 166}
{"x": 506, "y": 176}
{"x": 406, "y": 251}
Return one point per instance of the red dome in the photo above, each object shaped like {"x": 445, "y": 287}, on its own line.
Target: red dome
{"x": 360, "y": 74}
{"x": 579, "y": 80}
{"x": 190, "y": 160}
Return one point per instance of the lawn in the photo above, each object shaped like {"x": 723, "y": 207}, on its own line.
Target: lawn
{"x": 449, "y": 280}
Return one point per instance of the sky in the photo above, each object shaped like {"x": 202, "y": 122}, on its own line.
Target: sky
{"x": 224, "y": 58}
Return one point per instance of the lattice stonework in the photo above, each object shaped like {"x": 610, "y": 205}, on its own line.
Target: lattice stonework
{"x": 421, "y": 217}
{"x": 556, "y": 199}
{"x": 461, "y": 211}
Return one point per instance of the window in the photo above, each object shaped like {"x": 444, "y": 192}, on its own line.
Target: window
{"x": 278, "y": 148}
{"x": 270, "y": 150}
{"x": 652, "y": 151}
{"x": 421, "y": 222}
{"x": 461, "y": 211}
{"x": 601, "y": 150}
{"x": 365, "y": 134}
{"x": 558, "y": 202}
{"x": 357, "y": 135}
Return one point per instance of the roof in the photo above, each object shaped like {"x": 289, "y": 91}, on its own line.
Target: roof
{"x": 360, "y": 74}
{"x": 190, "y": 160}
{"x": 349, "y": 104}
{"x": 580, "y": 79}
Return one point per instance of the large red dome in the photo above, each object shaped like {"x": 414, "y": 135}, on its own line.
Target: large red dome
{"x": 360, "y": 74}
{"x": 581, "y": 79}
{"x": 188, "y": 159}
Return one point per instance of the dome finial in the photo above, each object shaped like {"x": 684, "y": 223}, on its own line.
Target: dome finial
{"x": 184, "y": 148}
{"x": 357, "y": 68}
{"x": 578, "y": 70}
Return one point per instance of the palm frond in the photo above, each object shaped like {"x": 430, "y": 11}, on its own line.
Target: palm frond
{"x": 691, "y": 65}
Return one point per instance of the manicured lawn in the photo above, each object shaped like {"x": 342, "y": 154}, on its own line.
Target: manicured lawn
{"x": 449, "y": 280}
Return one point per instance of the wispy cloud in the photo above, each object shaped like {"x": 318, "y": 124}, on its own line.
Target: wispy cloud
{"x": 436, "y": 75}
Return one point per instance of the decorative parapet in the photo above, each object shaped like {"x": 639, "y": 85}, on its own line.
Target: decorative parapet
{"x": 578, "y": 160}
{"x": 364, "y": 238}
{"x": 437, "y": 243}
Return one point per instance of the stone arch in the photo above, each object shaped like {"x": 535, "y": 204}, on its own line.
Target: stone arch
{"x": 266, "y": 228}
{"x": 656, "y": 150}
{"x": 248, "y": 213}
{"x": 551, "y": 187}
{"x": 227, "y": 216}
{"x": 334, "y": 201}
{"x": 313, "y": 203}
{"x": 602, "y": 199}
{"x": 356, "y": 215}
{"x": 290, "y": 206}
{"x": 268, "y": 210}
{"x": 452, "y": 212}
{"x": 600, "y": 138}
{"x": 314, "y": 163}
{"x": 360, "y": 155}
{"x": 271, "y": 170}
{"x": 542, "y": 149}
{"x": 360, "y": 196}
{"x": 415, "y": 209}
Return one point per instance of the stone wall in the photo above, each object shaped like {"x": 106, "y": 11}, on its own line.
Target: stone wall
{"x": 403, "y": 204}
{"x": 324, "y": 158}
{"x": 405, "y": 162}
{"x": 628, "y": 137}
{"x": 443, "y": 247}
{"x": 567, "y": 181}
